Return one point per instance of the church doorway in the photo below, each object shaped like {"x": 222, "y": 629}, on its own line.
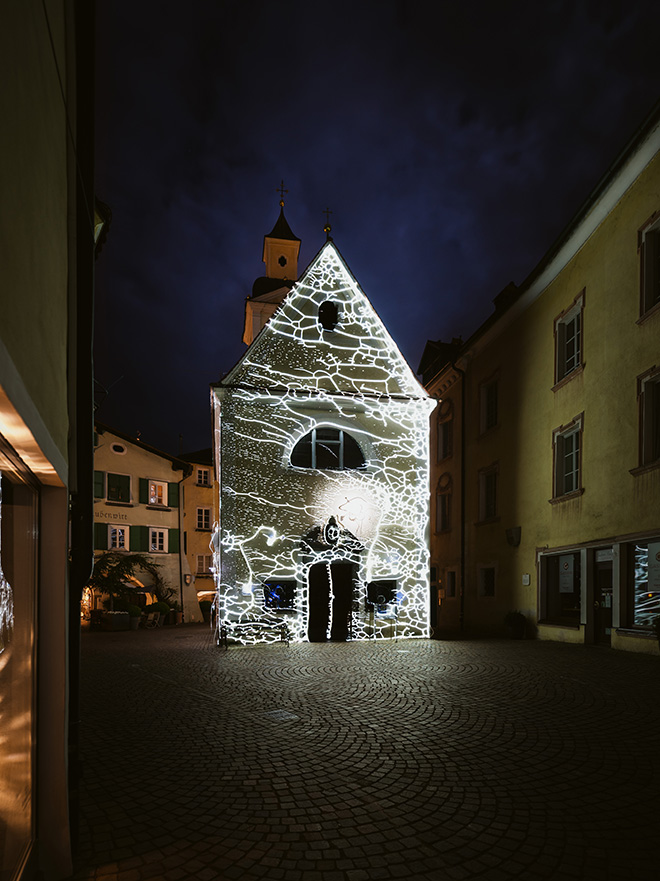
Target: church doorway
{"x": 330, "y": 601}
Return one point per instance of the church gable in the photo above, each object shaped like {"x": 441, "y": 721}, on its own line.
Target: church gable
{"x": 326, "y": 336}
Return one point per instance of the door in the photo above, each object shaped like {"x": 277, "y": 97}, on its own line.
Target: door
{"x": 603, "y": 603}
{"x": 330, "y": 593}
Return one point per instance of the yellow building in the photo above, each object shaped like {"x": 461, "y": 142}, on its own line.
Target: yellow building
{"x": 200, "y": 494}
{"x": 548, "y": 500}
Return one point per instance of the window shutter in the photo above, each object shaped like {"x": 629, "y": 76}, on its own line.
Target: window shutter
{"x": 144, "y": 491}
{"x": 173, "y": 495}
{"x": 139, "y": 538}
{"x": 173, "y": 541}
{"x": 100, "y": 536}
{"x": 98, "y": 484}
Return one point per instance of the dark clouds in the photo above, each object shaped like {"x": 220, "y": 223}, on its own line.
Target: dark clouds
{"x": 451, "y": 141}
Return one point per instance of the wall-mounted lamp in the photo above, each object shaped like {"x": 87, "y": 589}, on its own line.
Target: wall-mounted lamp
{"x": 187, "y": 578}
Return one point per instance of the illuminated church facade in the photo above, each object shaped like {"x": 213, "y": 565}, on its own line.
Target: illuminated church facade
{"x": 321, "y": 444}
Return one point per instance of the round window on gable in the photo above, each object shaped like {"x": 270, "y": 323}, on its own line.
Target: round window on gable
{"x": 120, "y": 449}
{"x": 328, "y": 315}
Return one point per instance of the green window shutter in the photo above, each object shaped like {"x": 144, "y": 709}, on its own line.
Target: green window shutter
{"x": 144, "y": 491}
{"x": 173, "y": 495}
{"x": 139, "y": 538}
{"x": 100, "y": 536}
{"x": 173, "y": 541}
{"x": 98, "y": 484}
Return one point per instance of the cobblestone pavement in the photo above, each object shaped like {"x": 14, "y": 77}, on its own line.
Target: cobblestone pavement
{"x": 414, "y": 760}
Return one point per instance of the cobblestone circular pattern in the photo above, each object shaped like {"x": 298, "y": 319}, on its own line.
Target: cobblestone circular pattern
{"x": 341, "y": 762}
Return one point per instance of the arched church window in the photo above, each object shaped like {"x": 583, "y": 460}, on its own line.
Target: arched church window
{"x": 328, "y": 315}
{"x": 327, "y": 448}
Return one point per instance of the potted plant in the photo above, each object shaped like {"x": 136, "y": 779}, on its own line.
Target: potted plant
{"x": 176, "y": 614}
{"x": 162, "y": 609}
{"x": 205, "y": 608}
{"x": 516, "y": 624}
{"x": 134, "y": 615}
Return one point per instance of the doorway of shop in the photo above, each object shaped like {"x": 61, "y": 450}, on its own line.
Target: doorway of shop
{"x": 603, "y": 602}
{"x": 330, "y": 601}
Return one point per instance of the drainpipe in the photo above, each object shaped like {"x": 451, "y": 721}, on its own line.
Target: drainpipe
{"x": 461, "y": 618}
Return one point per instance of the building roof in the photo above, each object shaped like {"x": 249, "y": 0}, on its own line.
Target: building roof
{"x": 178, "y": 464}
{"x": 282, "y": 230}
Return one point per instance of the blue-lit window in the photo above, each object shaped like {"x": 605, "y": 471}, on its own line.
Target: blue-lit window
{"x": 279, "y": 594}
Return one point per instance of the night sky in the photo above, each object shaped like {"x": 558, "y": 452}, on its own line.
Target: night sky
{"x": 452, "y": 142}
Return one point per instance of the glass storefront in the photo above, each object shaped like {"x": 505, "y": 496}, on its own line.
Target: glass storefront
{"x": 18, "y": 591}
{"x": 561, "y": 589}
{"x": 646, "y": 582}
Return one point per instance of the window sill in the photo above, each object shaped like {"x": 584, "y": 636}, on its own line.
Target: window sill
{"x": 633, "y": 631}
{"x": 118, "y": 504}
{"x": 203, "y": 575}
{"x": 567, "y": 497}
{"x": 650, "y": 313}
{"x": 563, "y": 625}
{"x": 158, "y": 508}
{"x": 566, "y": 379}
{"x": 199, "y": 529}
{"x": 487, "y": 521}
{"x": 644, "y": 469}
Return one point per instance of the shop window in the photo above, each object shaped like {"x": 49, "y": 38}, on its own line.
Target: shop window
{"x": 648, "y": 386}
{"x": 560, "y": 589}
{"x": 646, "y": 582}
{"x": 488, "y": 493}
{"x": 568, "y": 340}
{"x": 327, "y": 449}
{"x": 443, "y": 495}
{"x": 487, "y": 405}
{"x": 649, "y": 251}
{"x": 567, "y": 443}
{"x": 279, "y": 594}
{"x": 204, "y": 519}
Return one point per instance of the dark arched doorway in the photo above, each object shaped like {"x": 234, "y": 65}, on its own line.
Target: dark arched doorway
{"x": 330, "y": 601}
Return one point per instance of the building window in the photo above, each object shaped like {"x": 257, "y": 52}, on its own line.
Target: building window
{"x": 204, "y": 518}
{"x": 445, "y": 426}
{"x": 561, "y": 588}
{"x": 203, "y": 477}
{"x": 279, "y": 594}
{"x": 488, "y": 492}
{"x": 648, "y": 386}
{"x": 158, "y": 541}
{"x": 649, "y": 251}
{"x": 487, "y": 405}
{"x": 646, "y": 582}
{"x": 567, "y": 442}
{"x": 443, "y": 503}
{"x": 118, "y": 488}
{"x": 118, "y": 538}
{"x": 157, "y": 493}
{"x": 486, "y": 583}
{"x": 327, "y": 448}
{"x": 328, "y": 315}
{"x": 204, "y": 563}
{"x": 450, "y": 584}
{"x": 568, "y": 340}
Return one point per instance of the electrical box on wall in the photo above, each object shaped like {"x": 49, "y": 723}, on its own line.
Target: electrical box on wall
{"x": 526, "y": 579}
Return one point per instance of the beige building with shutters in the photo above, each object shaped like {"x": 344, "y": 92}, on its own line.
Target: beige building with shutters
{"x": 200, "y": 495}
{"x": 137, "y": 494}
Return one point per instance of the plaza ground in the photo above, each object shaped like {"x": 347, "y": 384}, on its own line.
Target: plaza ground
{"x": 423, "y": 760}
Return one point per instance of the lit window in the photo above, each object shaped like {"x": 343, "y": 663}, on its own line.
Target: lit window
{"x": 157, "y": 493}
{"x": 487, "y": 405}
{"x": 327, "y": 448}
{"x": 204, "y": 518}
{"x": 649, "y": 250}
{"x": 488, "y": 493}
{"x": 157, "y": 541}
{"x": 649, "y": 417}
{"x": 203, "y": 477}
{"x": 568, "y": 459}
{"x": 117, "y": 538}
{"x": 204, "y": 563}
{"x": 443, "y": 504}
{"x": 568, "y": 340}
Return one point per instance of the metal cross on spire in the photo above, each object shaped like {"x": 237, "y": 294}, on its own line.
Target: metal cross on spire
{"x": 281, "y": 191}
{"x": 327, "y": 228}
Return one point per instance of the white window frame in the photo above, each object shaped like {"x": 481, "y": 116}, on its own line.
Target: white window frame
{"x": 157, "y": 540}
{"x": 488, "y": 491}
{"x": 118, "y": 542}
{"x": 206, "y": 561}
{"x": 569, "y": 340}
{"x": 203, "y": 477}
{"x": 204, "y": 519}
{"x": 154, "y": 486}
{"x": 649, "y": 265}
{"x": 567, "y": 443}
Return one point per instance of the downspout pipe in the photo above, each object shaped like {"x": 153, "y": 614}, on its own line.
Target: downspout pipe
{"x": 461, "y": 617}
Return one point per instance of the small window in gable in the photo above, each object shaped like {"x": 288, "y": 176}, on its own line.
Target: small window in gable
{"x": 328, "y": 315}
{"x": 327, "y": 449}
